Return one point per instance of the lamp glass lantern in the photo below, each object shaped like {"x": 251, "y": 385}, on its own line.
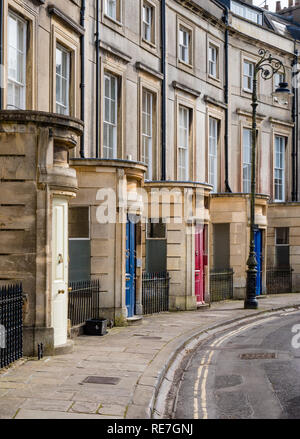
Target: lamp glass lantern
{"x": 282, "y": 93}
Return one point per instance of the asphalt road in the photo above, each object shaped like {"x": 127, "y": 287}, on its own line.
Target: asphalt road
{"x": 252, "y": 372}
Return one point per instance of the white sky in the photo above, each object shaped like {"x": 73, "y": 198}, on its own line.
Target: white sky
{"x": 271, "y": 3}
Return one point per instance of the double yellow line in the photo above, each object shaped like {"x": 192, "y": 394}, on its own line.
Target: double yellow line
{"x": 202, "y": 372}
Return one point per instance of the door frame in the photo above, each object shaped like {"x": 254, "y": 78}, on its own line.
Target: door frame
{"x": 200, "y": 229}
{"x": 130, "y": 234}
{"x": 60, "y": 299}
{"x": 260, "y": 261}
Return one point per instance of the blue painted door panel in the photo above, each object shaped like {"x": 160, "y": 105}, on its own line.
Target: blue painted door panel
{"x": 130, "y": 268}
{"x": 258, "y": 253}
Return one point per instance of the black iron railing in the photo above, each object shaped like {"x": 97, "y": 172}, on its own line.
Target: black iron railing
{"x": 279, "y": 280}
{"x": 11, "y": 324}
{"x": 84, "y": 301}
{"x": 155, "y": 292}
{"x": 221, "y": 285}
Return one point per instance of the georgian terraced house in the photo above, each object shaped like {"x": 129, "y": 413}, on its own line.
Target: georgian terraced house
{"x": 128, "y": 95}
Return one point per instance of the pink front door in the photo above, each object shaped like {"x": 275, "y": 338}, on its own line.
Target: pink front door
{"x": 199, "y": 264}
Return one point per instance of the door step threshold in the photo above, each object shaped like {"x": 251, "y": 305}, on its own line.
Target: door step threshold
{"x": 201, "y": 306}
{"x": 135, "y": 320}
{"x": 67, "y": 348}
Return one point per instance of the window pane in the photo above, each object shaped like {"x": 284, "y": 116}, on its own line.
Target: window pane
{"x": 12, "y": 63}
{"x": 16, "y": 52}
{"x": 282, "y": 235}
{"x": 279, "y": 168}
{"x": 184, "y": 45}
{"x": 79, "y": 222}
{"x": 58, "y": 62}
{"x": 62, "y": 79}
{"x": 106, "y": 86}
{"x": 12, "y": 31}
{"x": 247, "y": 136}
{"x": 111, "y": 8}
{"x": 213, "y": 153}
{"x": 156, "y": 229}
{"x": 183, "y": 146}
{"x": 110, "y": 116}
{"x": 147, "y": 118}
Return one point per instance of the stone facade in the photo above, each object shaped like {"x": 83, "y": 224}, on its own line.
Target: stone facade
{"x": 34, "y": 171}
{"x": 186, "y": 102}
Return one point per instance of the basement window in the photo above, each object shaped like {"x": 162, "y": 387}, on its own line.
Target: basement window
{"x": 156, "y": 230}
{"x": 79, "y": 244}
{"x": 282, "y": 247}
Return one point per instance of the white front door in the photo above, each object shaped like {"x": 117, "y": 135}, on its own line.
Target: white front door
{"x": 60, "y": 270}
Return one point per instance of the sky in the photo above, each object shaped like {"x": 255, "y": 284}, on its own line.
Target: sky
{"x": 271, "y": 3}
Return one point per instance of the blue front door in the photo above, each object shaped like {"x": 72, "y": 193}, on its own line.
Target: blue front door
{"x": 130, "y": 268}
{"x": 258, "y": 254}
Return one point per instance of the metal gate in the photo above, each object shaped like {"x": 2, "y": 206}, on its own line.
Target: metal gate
{"x": 221, "y": 285}
{"x": 84, "y": 301}
{"x": 279, "y": 280}
{"x": 155, "y": 294}
{"x": 11, "y": 324}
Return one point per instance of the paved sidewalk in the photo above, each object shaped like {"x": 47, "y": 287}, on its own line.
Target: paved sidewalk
{"x": 54, "y": 387}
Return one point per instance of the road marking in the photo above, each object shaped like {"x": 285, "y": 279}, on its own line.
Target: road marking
{"x": 288, "y": 313}
{"x": 206, "y": 362}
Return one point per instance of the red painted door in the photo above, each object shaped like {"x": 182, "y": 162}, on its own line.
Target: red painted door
{"x": 199, "y": 264}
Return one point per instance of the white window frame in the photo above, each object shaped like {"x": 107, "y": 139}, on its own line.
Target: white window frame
{"x": 247, "y": 167}
{"x": 279, "y": 168}
{"x": 213, "y": 60}
{"x": 147, "y": 132}
{"x": 63, "y": 107}
{"x": 110, "y": 151}
{"x": 184, "y": 45}
{"x": 111, "y": 9}
{"x": 248, "y": 76}
{"x": 246, "y": 12}
{"x": 183, "y": 173}
{"x": 213, "y": 153}
{"x": 13, "y": 82}
{"x": 147, "y": 27}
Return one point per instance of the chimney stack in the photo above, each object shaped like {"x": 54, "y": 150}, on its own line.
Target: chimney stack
{"x": 291, "y": 3}
{"x": 278, "y": 6}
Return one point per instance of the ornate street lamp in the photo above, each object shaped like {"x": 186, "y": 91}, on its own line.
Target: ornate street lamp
{"x": 267, "y": 66}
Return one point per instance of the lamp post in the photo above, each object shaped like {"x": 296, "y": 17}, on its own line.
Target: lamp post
{"x": 267, "y": 66}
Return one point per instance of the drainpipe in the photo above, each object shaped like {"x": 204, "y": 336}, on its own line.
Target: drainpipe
{"x": 226, "y": 97}
{"x": 295, "y": 118}
{"x": 296, "y": 130}
{"x": 97, "y": 78}
{"x": 82, "y": 73}
{"x": 164, "y": 94}
{"x": 1, "y": 54}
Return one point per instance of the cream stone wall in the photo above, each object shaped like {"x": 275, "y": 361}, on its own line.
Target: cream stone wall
{"x": 286, "y": 215}
{"x": 108, "y": 241}
{"x": 180, "y": 236}
{"x": 234, "y": 209}
{"x": 33, "y": 169}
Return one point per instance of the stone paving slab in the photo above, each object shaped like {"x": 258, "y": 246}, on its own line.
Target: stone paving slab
{"x": 33, "y": 414}
{"x": 53, "y": 388}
